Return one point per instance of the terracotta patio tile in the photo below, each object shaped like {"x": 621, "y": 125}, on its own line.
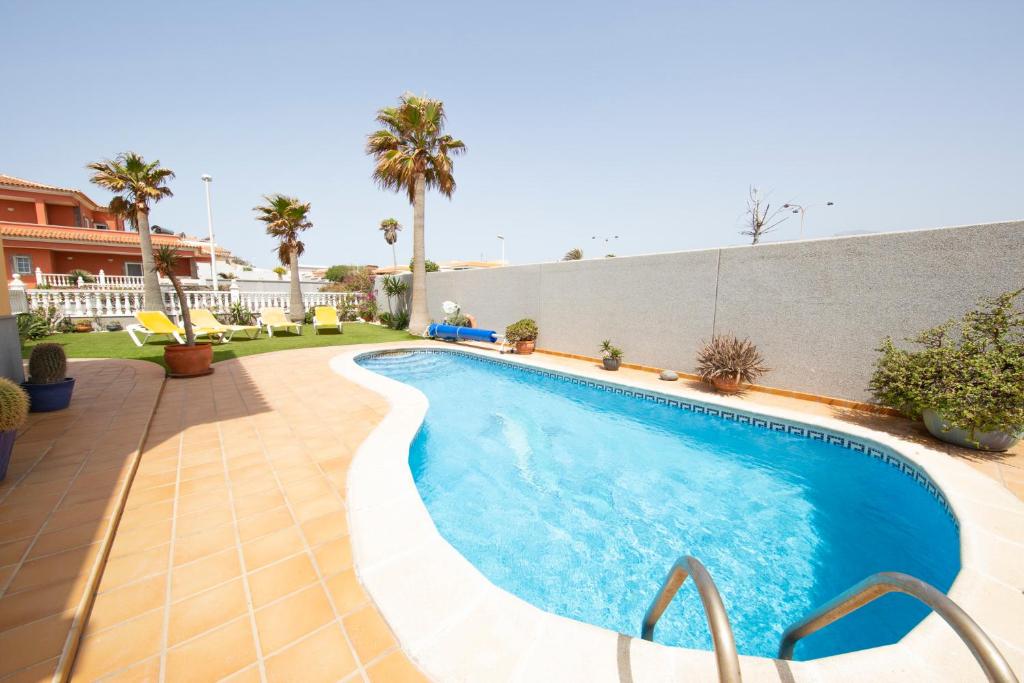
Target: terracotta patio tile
{"x": 205, "y": 573}
{"x": 38, "y": 673}
{"x": 334, "y": 556}
{"x": 293, "y": 617}
{"x": 122, "y": 570}
{"x": 146, "y": 515}
{"x": 264, "y": 523}
{"x": 271, "y": 547}
{"x": 346, "y": 591}
{"x": 54, "y": 568}
{"x": 370, "y": 635}
{"x": 12, "y": 552}
{"x": 210, "y": 518}
{"x": 146, "y": 671}
{"x": 204, "y": 543}
{"x": 325, "y": 527}
{"x": 213, "y": 655}
{"x": 255, "y": 503}
{"x": 127, "y": 602}
{"x": 26, "y": 606}
{"x": 141, "y": 538}
{"x": 207, "y": 610}
{"x": 323, "y": 656}
{"x": 115, "y": 648}
{"x": 33, "y": 643}
{"x": 272, "y": 582}
{"x": 250, "y": 674}
{"x": 395, "y": 668}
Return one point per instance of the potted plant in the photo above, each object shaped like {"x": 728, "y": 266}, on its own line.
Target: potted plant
{"x": 522, "y": 333}
{"x": 611, "y": 356}
{"x": 113, "y": 326}
{"x": 13, "y": 412}
{"x": 192, "y": 358}
{"x": 83, "y": 326}
{"x": 966, "y": 381}
{"x": 728, "y": 363}
{"x": 48, "y": 386}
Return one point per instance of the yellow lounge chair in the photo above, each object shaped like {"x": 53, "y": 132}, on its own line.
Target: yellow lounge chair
{"x": 156, "y": 322}
{"x": 203, "y": 318}
{"x": 327, "y": 317}
{"x": 272, "y": 318}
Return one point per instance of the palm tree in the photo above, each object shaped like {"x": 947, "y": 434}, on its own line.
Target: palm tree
{"x": 165, "y": 262}
{"x": 138, "y": 185}
{"x": 411, "y": 153}
{"x": 285, "y": 217}
{"x": 573, "y": 255}
{"x": 391, "y": 228}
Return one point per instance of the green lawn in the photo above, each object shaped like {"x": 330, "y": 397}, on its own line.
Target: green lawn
{"x": 119, "y": 344}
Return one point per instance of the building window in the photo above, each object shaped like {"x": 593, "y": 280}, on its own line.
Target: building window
{"x": 101, "y": 226}
{"x": 23, "y": 265}
{"x": 133, "y": 269}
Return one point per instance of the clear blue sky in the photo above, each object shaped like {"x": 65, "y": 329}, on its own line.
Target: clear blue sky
{"x": 646, "y": 120}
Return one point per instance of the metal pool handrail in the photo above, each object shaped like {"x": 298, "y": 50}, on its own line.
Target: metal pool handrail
{"x": 875, "y": 586}
{"x": 718, "y": 621}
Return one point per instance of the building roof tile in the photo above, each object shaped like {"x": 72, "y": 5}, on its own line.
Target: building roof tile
{"x": 67, "y": 234}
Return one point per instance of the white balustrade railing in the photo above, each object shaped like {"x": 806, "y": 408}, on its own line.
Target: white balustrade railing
{"x": 99, "y": 281}
{"x": 88, "y": 303}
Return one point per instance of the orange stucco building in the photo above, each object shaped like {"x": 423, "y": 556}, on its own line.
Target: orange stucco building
{"x": 59, "y": 230}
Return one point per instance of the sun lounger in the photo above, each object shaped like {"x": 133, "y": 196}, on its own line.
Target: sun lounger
{"x": 275, "y": 318}
{"x": 205, "y": 319}
{"x": 327, "y": 318}
{"x": 156, "y": 322}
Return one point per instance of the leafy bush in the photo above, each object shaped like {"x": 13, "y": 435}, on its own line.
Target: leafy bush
{"x": 359, "y": 280}
{"x": 338, "y": 273}
{"x": 396, "y": 321}
{"x": 609, "y": 351}
{"x": 65, "y": 325}
{"x": 458, "y": 320}
{"x": 429, "y": 265}
{"x": 86, "y": 276}
{"x": 969, "y": 371}
{"x": 307, "y": 319}
{"x": 238, "y": 314}
{"x": 726, "y": 356}
{"x": 522, "y": 330}
{"x": 348, "y": 311}
{"x": 368, "y": 310}
{"x": 39, "y": 322}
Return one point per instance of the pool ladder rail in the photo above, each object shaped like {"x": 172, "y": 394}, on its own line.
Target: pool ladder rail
{"x": 992, "y": 662}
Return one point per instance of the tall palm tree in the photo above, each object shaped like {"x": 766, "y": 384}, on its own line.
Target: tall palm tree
{"x": 138, "y": 185}
{"x": 411, "y": 153}
{"x": 391, "y": 228}
{"x": 285, "y": 217}
{"x": 573, "y": 255}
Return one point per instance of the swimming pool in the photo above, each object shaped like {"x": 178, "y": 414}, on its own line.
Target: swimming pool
{"x": 578, "y": 499}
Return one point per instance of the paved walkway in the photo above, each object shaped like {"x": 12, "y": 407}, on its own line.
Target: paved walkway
{"x": 65, "y": 477}
{"x": 232, "y": 560}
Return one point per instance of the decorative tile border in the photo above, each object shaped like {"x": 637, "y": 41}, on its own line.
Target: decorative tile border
{"x": 870, "y": 448}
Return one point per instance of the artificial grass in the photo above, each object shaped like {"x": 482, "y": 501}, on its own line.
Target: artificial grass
{"x": 120, "y": 345}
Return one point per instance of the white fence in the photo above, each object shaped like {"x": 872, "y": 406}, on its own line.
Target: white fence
{"x": 99, "y": 281}
{"x": 88, "y": 303}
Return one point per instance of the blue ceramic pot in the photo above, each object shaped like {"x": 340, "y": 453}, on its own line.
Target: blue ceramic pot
{"x": 46, "y": 397}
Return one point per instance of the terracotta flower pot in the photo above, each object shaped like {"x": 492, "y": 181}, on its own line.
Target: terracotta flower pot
{"x": 188, "y": 361}
{"x": 83, "y": 327}
{"x": 524, "y": 348}
{"x": 727, "y": 385}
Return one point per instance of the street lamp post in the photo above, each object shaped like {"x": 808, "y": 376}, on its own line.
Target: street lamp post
{"x": 802, "y": 210}
{"x": 502, "y": 239}
{"x": 207, "y": 179}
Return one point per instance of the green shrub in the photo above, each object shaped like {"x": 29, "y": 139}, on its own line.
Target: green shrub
{"x": 368, "y": 310}
{"x": 969, "y": 371}
{"x": 86, "y": 276}
{"x": 38, "y": 322}
{"x": 239, "y": 314}
{"x": 429, "y": 265}
{"x": 522, "y": 330}
{"x": 728, "y": 357}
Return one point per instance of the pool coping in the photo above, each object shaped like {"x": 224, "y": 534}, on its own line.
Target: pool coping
{"x": 457, "y": 625}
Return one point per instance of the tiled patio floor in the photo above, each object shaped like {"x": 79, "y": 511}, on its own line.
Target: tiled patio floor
{"x": 232, "y": 560}
{"x": 56, "y": 504}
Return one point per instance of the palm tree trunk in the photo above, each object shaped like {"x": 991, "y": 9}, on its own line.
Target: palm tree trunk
{"x": 186, "y": 317}
{"x": 296, "y": 311}
{"x": 394, "y": 259}
{"x": 152, "y": 297}
{"x": 419, "y": 317}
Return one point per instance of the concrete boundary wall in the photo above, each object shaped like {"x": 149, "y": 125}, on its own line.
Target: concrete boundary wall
{"x": 817, "y": 309}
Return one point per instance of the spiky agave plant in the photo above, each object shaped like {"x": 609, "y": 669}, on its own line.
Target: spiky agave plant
{"x": 727, "y": 357}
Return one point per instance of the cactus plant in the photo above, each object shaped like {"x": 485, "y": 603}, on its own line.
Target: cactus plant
{"x": 48, "y": 364}
{"x": 13, "y": 406}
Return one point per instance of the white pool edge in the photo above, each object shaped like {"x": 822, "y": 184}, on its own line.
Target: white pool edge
{"x": 456, "y": 625}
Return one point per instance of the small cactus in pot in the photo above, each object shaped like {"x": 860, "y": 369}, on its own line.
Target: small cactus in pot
{"x": 48, "y": 364}
{"x": 13, "y": 412}
{"x": 48, "y": 386}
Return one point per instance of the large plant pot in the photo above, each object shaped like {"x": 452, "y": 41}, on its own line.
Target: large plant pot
{"x": 83, "y": 327}
{"x": 727, "y": 385}
{"x": 980, "y": 441}
{"x": 188, "y": 361}
{"x": 43, "y": 398}
{"x": 524, "y": 348}
{"x": 611, "y": 363}
{"x": 6, "y": 446}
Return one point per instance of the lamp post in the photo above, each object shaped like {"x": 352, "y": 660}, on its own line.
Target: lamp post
{"x": 802, "y": 210}
{"x": 207, "y": 179}
{"x": 606, "y": 240}
{"x": 502, "y": 238}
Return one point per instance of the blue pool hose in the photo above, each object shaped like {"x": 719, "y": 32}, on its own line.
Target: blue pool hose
{"x": 439, "y": 331}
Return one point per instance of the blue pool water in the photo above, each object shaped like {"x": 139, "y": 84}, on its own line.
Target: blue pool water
{"x": 578, "y": 500}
